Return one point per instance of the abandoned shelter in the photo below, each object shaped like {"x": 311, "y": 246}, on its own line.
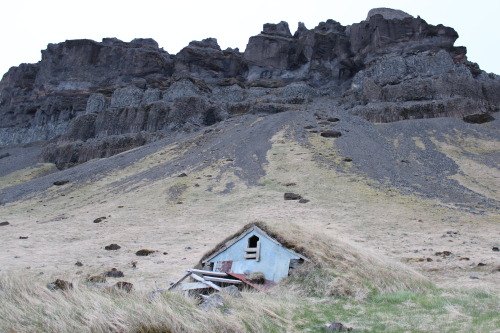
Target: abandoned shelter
{"x": 251, "y": 250}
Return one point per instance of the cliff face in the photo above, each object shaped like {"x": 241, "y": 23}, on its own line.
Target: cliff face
{"x": 38, "y": 101}
{"x": 85, "y": 95}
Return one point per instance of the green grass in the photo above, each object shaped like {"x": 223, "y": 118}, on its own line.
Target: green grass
{"x": 27, "y": 174}
{"x": 405, "y": 311}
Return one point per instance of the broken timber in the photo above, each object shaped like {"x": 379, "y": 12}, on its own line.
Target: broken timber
{"x": 179, "y": 281}
{"x": 211, "y": 284}
{"x": 204, "y": 272}
{"x": 205, "y": 280}
{"x": 222, "y": 280}
{"x": 192, "y": 285}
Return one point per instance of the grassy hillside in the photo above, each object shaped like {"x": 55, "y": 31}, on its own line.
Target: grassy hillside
{"x": 375, "y": 246}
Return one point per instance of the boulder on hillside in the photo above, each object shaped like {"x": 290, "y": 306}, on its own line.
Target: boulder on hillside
{"x": 292, "y": 196}
{"x": 330, "y": 134}
{"x": 478, "y": 118}
{"x": 114, "y": 273}
{"x": 60, "y": 285}
{"x": 112, "y": 247}
{"x": 125, "y": 286}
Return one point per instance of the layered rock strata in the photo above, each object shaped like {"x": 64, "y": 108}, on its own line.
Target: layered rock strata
{"x": 95, "y": 99}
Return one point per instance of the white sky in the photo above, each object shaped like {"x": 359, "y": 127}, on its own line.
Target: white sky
{"x": 27, "y": 26}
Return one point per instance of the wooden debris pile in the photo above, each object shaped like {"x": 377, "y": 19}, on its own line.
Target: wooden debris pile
{"x": 204, "y": 280}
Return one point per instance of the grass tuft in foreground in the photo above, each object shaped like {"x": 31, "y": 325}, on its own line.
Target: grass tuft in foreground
{"x": 31, "y": 307}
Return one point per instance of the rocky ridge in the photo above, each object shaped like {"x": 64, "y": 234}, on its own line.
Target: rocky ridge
{"x": 96, "y": 99}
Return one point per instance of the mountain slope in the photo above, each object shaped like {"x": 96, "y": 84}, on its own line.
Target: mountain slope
{"x": 238, "y": 170}
{"x": 96, "y": 99}
{"x": 383, "y": 128}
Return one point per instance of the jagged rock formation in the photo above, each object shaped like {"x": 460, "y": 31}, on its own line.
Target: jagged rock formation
{"x": 97, "y": 99}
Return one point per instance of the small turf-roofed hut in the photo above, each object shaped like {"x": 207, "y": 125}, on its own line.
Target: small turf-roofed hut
{"x": 253, "y": 250}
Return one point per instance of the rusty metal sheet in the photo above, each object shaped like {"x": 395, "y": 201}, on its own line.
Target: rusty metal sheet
{"x": 223, "y": 266}
{"x": 268, "y": 284}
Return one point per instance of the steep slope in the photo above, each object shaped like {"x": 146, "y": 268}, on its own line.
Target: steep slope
{"x": 94, "y": 100}
{"x": 238, "y": 170}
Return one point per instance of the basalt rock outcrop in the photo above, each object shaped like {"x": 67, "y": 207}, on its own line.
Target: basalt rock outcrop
{"x": 95, "y": 99}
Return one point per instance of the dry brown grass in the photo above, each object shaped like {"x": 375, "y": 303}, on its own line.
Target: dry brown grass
{"x": 28, "y": 306}
{"x": 467, "y": 152}
{"x": 31, "y": 307}
{"x": 340, "y": 269}
{"x": 337, "y": 268}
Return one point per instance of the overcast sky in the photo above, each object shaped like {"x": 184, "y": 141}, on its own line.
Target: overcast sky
{"x": 27, "y": 26}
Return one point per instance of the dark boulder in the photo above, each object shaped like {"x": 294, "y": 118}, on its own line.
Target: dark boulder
{"x": 478, "y": 118}
{"x": 292, "y": 196}
{"x": 99, "y": 220}
{"x": 144, "y": 252}
{"x": 125, "y": 286}
{"x": 330, "y": 134}
{"x": 112, "y": 247}
{"x": 60, "y": 285}
{"x": 114, "y": 273}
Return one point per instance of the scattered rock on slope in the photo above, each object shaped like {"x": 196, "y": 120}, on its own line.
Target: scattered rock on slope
{"x": 330, "y": 134}
{"x": 125, "y": 286}
{"x": 478, "y": 118}
{"x": 292, "y": 196}
{"x": 60, "y": 182}
{"x": 60, "y": 285}
{"x": 100, "y": 219}
{"x": 144, "y": 252}
{"x": 112, "y": 247}
{"x": 114, "y": 273}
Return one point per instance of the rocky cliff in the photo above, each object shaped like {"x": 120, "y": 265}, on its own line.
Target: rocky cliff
{"x": 95, "y": 99}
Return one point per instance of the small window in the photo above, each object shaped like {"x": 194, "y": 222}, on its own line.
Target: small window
{"x": 252, "y": 241}
{"x": 252, "y": 252}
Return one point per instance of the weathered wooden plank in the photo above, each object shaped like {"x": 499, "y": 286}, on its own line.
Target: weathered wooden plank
{"x": 211, "y": 284}
{"x": 179, "y": 281}
{"x": 193, "y": 285}
{"x": 253, "y": 252}
{"x": 218, "y": 279}
{"x": 204, "y": 272}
